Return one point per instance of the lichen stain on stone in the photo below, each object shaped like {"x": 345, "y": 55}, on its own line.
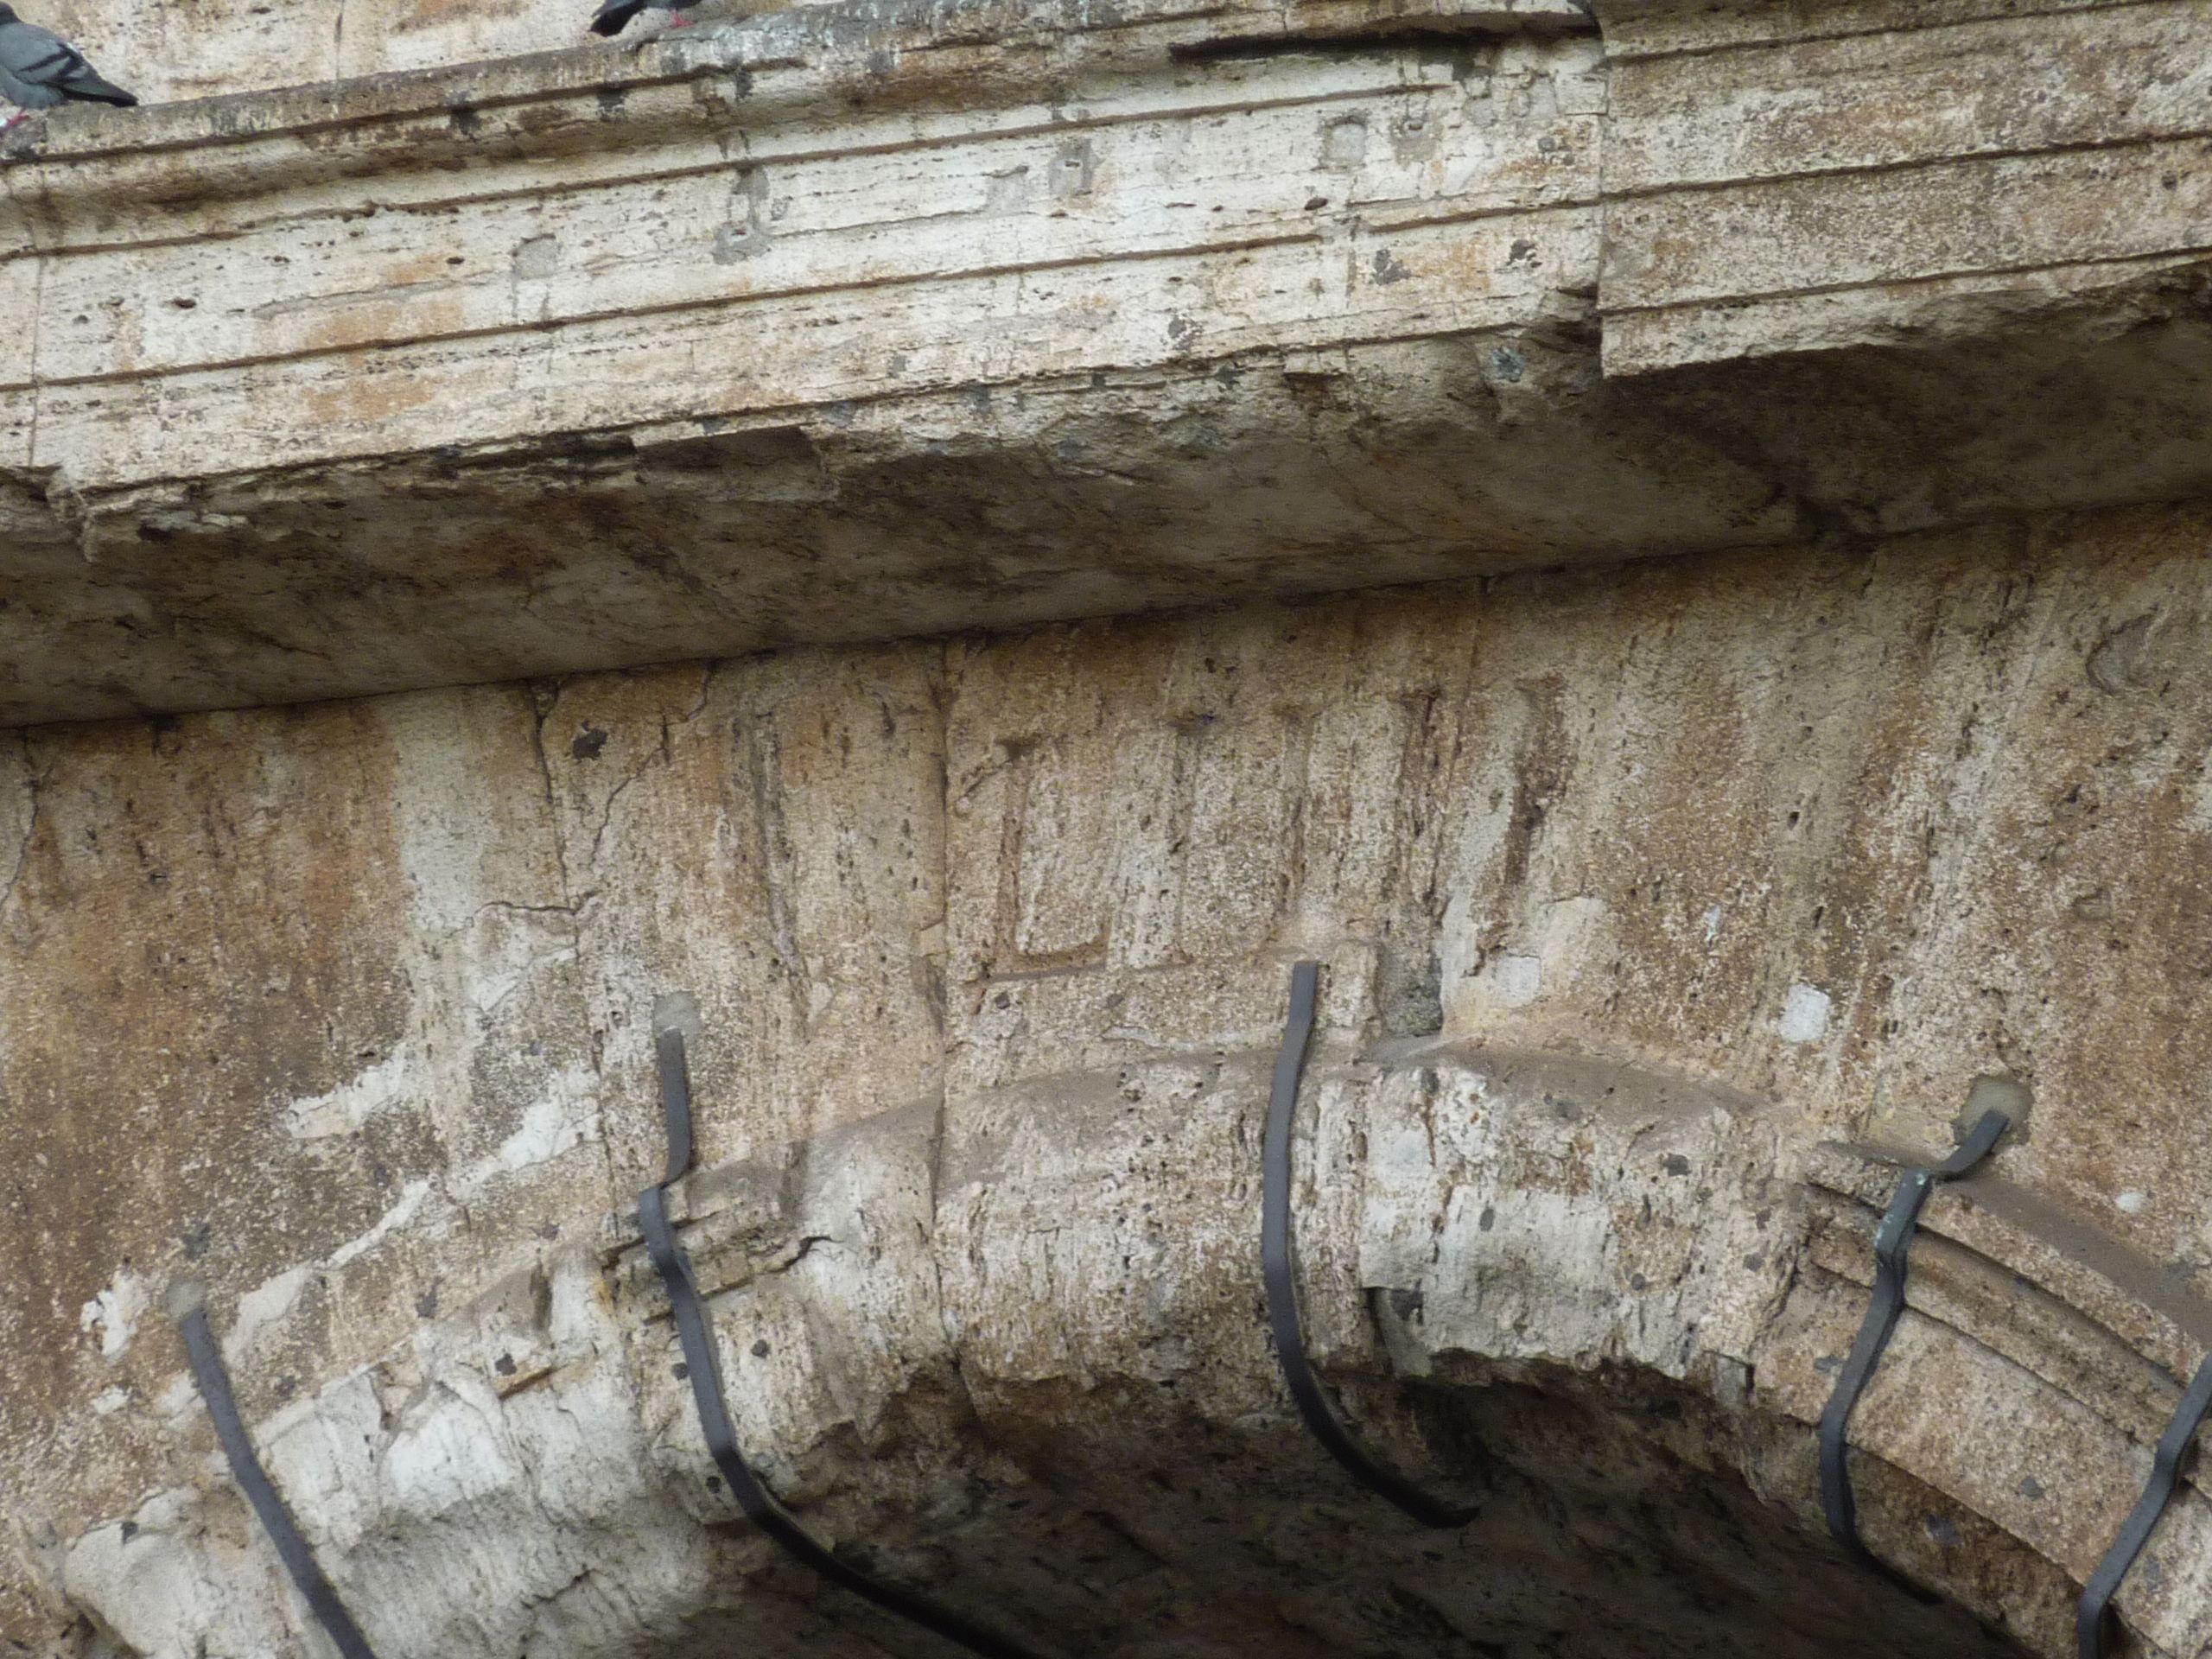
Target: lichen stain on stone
{"x": 1388, "y": 269}
{"x": 746, "y": 235}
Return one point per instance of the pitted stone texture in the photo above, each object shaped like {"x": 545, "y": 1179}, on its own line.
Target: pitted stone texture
{"x": 1634, "y": 889}
{"x": 1787, "y": 179}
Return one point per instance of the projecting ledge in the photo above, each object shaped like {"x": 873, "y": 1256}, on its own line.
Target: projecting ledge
{"x": 862, "y": 320}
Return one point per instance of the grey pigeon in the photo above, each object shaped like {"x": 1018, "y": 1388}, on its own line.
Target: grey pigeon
{"x": 613, "y": 15}
{"x": 39, "y": 69}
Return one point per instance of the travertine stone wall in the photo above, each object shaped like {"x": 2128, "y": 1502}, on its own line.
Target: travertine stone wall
{"x": 1649, "y": 897}
{"x": 867, "y": 320}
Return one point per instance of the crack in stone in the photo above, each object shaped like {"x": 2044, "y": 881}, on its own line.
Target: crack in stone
{"x": 33, "y": 783}
{"x": 571, "y": 910}
{"x": 545, "y": 697}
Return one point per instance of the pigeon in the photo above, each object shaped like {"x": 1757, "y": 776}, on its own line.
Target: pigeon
{"x": 613, "y": 15}
{"x": 39, "y": 69}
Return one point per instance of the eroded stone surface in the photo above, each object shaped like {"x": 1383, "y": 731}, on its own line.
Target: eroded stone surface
{"x": 1647, "y": 899}
{"x": 1651, "y": 899}
{"x": 865, "y": 320}
{"x": 1783, "y": 182}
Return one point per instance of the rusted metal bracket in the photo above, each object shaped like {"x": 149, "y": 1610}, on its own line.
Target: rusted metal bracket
{"x": 1277, "y": 1266}
{"x": 1892, "y": 1249}
{"x": 695, "y": 1329}
{"x": 206, "y": 1355}
{"x": 2089, "y": 1623}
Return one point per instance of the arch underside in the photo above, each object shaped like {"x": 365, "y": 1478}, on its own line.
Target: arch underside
{"x": 1601, "y": 1305}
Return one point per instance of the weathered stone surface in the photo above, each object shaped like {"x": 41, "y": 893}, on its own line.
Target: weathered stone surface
{"x": 861, "y": 320}
{"x": 1784, "y": 180}
{"x": 1649, "y": 898}
{"x": 1663, "y": 904}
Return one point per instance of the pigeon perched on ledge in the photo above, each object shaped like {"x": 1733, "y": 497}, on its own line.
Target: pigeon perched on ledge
{"x": 39, "y": 69}
{"x": 613, "y": 15}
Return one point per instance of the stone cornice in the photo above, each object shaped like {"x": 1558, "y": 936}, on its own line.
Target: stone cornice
{"x": 864, "y": 55}
{"x": 984, "y": 312}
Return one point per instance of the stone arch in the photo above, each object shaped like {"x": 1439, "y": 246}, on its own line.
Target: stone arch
{"x": 1599, "y": 1302}
{"x": 988, "y": 941}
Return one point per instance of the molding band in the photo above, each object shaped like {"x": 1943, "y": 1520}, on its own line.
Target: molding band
{"x": 695, "y": 1329}
{"x": 214, "y": 1384}
{"x": 1892, "y": 1249}
{"x": 1276, "y": 1265}
{"x": 2090, "y": 1623}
